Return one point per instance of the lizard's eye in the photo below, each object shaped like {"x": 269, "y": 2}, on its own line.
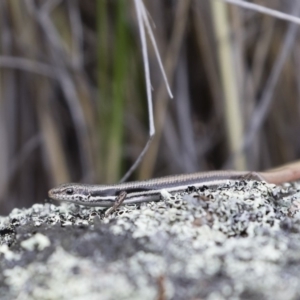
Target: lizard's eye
{"x": 69, "y": 191}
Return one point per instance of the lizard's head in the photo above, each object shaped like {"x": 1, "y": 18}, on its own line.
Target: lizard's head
{"x": 75, "y": 193}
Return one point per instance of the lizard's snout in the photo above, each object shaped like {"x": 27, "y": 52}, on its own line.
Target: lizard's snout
{"x": 51, "y": 194}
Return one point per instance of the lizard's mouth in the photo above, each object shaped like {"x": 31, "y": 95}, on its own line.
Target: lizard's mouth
{"x": 52, "y": 194}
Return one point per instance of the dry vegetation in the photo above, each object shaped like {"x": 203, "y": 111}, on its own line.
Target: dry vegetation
{"x": 73, "y": 100}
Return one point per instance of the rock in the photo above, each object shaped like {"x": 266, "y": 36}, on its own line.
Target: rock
{"x": 237, "y": 241}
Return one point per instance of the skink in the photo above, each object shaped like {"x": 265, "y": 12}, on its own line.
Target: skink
{"x": 150, "y": 190}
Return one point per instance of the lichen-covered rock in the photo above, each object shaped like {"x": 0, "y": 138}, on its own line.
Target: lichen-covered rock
{"x": 237, "y": 241}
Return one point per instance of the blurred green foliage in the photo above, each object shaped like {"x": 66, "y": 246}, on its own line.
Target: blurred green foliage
{"x": 73, "y": 102}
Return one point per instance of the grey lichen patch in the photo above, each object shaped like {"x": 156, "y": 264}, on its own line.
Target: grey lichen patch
{"x": 8, "y": 254}
{"x": 67, "y": 276}
{"x": 238, "y": 241}
{"x": 38, "y": 241}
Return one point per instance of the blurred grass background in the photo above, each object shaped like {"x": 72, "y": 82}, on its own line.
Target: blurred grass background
{"x": 73, "y": 100}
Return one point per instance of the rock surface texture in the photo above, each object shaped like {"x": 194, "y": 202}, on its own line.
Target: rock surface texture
{"x": 237, "y": 241}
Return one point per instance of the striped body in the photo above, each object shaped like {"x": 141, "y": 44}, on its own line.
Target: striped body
{"x": 143, "y": 191}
